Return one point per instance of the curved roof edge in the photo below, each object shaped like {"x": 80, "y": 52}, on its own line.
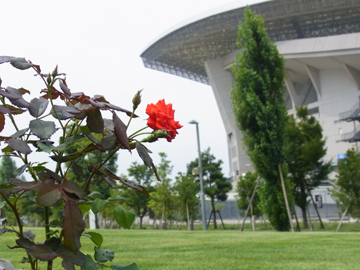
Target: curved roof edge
{"x": 203, "y": 15}
{"x": 184, "y": 51}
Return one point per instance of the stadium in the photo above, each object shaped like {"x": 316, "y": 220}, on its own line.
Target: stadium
{"x": 320, "y": 42}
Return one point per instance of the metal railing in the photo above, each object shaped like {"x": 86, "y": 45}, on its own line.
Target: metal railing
{"x": 352, "y": 136}
{"x": 352, "y": 114}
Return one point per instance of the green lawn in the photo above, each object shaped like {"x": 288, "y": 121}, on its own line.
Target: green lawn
{"x": 219, "y": 250}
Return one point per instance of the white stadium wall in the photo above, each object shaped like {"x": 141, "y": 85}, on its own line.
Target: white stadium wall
{"x": 322, "y": 73}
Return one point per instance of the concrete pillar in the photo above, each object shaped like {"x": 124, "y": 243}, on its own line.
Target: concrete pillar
{"x": 221, "y": 81}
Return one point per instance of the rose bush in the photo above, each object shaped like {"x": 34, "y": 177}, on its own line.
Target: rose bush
{"x": 80, "y": 126}
{"x": 161, "y": 116}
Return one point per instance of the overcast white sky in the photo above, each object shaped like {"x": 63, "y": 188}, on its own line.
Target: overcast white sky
{"x": 98, "y": 45}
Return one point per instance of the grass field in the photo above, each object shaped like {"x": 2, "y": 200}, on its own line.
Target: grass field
{"x": 218, "y": 250}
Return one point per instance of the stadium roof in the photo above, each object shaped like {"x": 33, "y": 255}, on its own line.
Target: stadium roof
{"x": 184, "y": 50}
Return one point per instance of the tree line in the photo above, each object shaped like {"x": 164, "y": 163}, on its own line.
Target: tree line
{"x": 171, "y": 200}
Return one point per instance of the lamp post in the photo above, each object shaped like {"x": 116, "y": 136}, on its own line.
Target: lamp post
{"x": 201, "y": 177}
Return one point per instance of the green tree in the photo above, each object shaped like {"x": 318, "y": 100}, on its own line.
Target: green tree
{"x": 258, "y": 105}
{"x": 304, "y": 151}
{"x": 187, "y": 189}
{"x": 216, "y": 185}
{"x": 135, "y": 200}
{"x": 161, "y": 199}
{"x": 244, "y": 189}
{"x": 7, "y": 168}
{"x": 346, "y": 190}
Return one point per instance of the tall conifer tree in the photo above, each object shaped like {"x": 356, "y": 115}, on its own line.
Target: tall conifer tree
{"x": 259, "y": 109}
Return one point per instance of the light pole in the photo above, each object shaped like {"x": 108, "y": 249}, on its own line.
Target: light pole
{"x": 202, "y": 199}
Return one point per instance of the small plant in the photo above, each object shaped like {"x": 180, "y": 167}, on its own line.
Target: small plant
{"x": 78, "y": 117}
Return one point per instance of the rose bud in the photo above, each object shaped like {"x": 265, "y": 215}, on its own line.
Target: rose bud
{"x": 48, "y": 79}
{"x": 55, "y": 72}
{"x": 161, "y": 133}
{"x": 150, "y": 139}
{"x": 136, "y": 100}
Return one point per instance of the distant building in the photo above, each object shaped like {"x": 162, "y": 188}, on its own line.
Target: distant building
{"x": 320, "y": 41}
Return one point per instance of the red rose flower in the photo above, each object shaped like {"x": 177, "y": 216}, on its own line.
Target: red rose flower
{"x": 161, "y": 116}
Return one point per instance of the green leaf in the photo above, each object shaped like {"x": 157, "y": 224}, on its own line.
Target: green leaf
{"x": 19, "y": 133}
{"x": 20, "y": 63}
{"x": 44, "y": 147}
{"x": 74, "y": 138}
{"x": 61, "y": 147}
{"x": 55, "y": 223}
{"x": 19, "y": 145}
{"x": 90, "y": 264}
{"x": 73, "y": 225}
{"x": 21, "y": 169}
{"x": 77, "y": 169}
{"x": 48, "y": 193}
{"x": 89, "y": 148}
{"x": 98, "y": 205}
{"x": 94, "y": 121}
{"x": 38, "y": 106}
{"x": 42, "y": 129}
{"x": 95, "y": 194}
{"x": 103, "y": 255}
{"x": 38, "y": 168}
{"x": 2, "y": 204}
{"x": 85, "y": 129}
{"x": 95, "y": 237}
{"x": 84, "y": 207}
{"x": 25, "y": 260}
{"x": 7, "y": 149}
{"x": 117, "y": 198}
{"x": 131, "y": 266}
{"x": 85, "y": 202}
{"x": 52, "y": 232}
{"x": 92, "y": 138}
{"x": 108, "y": 142}
{"x": 124, "y": 217}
